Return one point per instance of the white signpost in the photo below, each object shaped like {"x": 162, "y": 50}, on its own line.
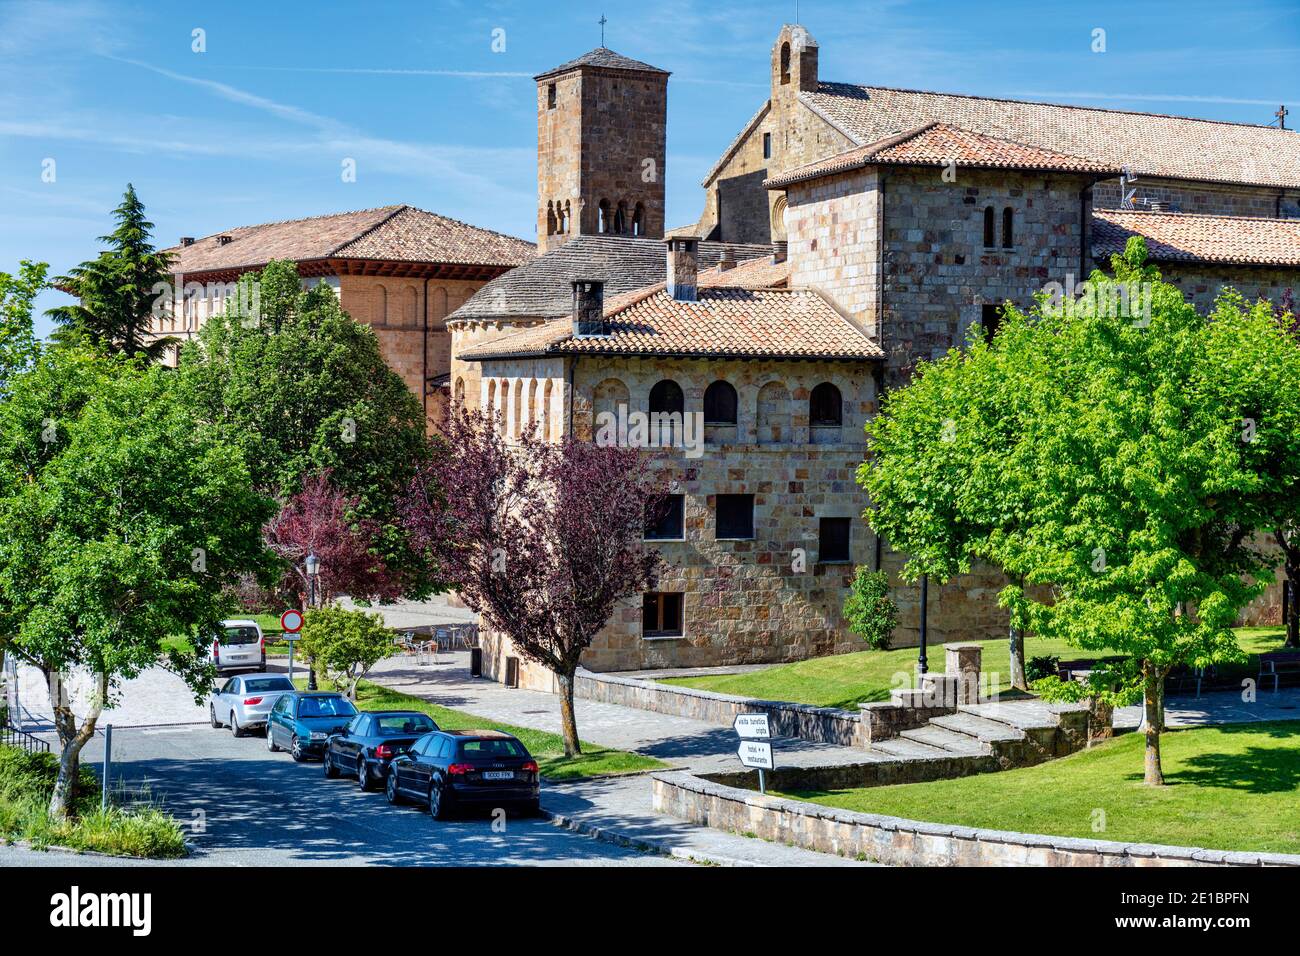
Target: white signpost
{"x": 755, "y": 750}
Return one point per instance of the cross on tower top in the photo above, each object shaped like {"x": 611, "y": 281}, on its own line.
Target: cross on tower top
{"x": 1281, "y": 115}
{"x": 602, "y": 21}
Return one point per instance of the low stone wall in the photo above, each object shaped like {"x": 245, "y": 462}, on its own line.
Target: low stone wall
{"x": 878, "y": 773}
{"x": 786, "y": 719}
{"x": 902, "y": 842}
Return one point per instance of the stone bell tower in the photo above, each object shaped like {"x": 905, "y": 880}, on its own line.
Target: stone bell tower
{"x": 601, "y": 132}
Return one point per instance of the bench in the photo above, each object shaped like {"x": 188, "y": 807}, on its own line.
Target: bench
{"x": 1276, "y": 664}
{"x": 1183, "y": 675}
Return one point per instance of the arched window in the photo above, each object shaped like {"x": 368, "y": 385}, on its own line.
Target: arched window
{"x": 546, "y": 412}
{"x": 566, "y": 220}
{"x": 602, "y": 216}
{"x": 785, "y": 62}
{"x": 720, "y": 404}
{"x": 490, "y": 406}
{"x": 410, "y": 306}
{"x": 458, "y": 393}
{"x": 620, "y": 219}
{"x": 381, "y": 304}
{"x": 667, "y": 403}
{"x": 638, "y": 220}
{"x": 1008, "y": 239}
{"x": 773, "y": 413}
{"x": 825, "y": 409}
{"x": 550, "y": 218}
{"x": 516, "y": 407}
{"x": 990, "y": 238}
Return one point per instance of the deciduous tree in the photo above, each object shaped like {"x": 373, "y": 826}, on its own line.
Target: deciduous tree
{"x": 346, "y": 644}
{"x": 121, "y": 522}
{"x": 543, "y": 540}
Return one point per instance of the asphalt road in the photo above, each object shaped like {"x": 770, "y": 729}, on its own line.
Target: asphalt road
{"x": 245, "y": 806}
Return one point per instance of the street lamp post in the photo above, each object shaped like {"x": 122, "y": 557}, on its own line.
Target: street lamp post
{"x": 313, "y": 586}
{"x": 922, "y": 665}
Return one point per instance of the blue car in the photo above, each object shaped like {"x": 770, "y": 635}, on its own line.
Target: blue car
{"x": 301, "y": 722}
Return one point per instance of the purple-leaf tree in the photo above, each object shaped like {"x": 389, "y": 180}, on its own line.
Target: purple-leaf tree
{"x": 543, "y": 540}
{"x": 321, "y": 519}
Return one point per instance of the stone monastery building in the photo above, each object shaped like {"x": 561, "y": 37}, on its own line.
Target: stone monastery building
{"x": 847, "y": 233}
{"x": 832, "y": 254}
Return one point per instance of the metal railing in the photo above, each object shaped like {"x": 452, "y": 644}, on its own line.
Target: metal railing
{"x": 22, "y": 740}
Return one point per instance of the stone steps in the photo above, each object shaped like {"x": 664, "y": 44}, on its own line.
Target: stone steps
{"x": 981, "y": 728}
{"x": 908, "y": 749}
{"x": 1022, "y": 715}
{"x": 951, "y": 741}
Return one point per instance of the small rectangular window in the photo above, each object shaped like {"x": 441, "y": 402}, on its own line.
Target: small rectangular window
{"x": 767, "y": 145}
{"x": 833, "y": 541}
{"x": 735, "y": 514}
{"x": 661, "y": 614}
{"x": 550, "y": 97}
{"x": 990, "y": 319}
{"x": 664, "y": 518}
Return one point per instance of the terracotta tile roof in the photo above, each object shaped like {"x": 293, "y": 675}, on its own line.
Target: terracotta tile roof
{"x": 603, "y": 58}
{"x": 725, "y": 322}
{"x": 398, "y": 233}
{"x": 543, "y": 287}
{"x": 1176, "y": 147}
{"x": 937, "y": 144}
{"x": 1185, "y": 237}
{"x": 761, "y": 273}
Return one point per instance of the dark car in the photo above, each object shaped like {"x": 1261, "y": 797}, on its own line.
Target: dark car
{"x": 371, "y": 741}
{"x": 301, "y": 722}
{"x": 451, "y": 769}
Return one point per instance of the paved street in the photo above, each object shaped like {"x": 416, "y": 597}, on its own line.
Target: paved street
{"x": 246, "y": 806}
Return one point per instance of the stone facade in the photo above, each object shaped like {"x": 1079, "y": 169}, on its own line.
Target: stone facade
{"x": 1211, "y": 199}
{"x": 601, "y": 136}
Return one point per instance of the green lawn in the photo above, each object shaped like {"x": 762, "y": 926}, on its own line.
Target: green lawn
{"x": 1233, "y": 787}
{"x": 847, "y": 680}
{"x": 548, "y": 748}
{"x": 26, "y": 783}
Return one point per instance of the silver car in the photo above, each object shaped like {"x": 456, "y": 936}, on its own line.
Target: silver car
{"x": 243, "y": 702}
{"x": 239, "y": 646}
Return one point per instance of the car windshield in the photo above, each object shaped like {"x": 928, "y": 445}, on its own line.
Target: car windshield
{"x": 497, "y": 747}
{"x": 243, "y": 634}
{"x": 325, "y": 707}
{"x": 264, "y": 684}
{"x": 403, "y": 725}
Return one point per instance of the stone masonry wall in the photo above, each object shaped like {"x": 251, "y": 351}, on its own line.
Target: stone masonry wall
{"x": 1213, "y": 199}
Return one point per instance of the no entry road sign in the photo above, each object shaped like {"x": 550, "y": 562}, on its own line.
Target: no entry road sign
{"x": 291, "y": 621}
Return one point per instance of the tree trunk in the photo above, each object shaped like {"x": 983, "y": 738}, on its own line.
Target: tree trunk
{"x": 73, "y": 738}
{"x": 568, "y": 723}
{"x": 1018, "y": 679}
{"x": 1153, "y": 697}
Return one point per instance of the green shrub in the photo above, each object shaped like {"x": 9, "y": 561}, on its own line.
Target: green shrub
{"x": 26, "y": 783}
{"x": 868, "y": 609}
{"x": 1039, "y": 667}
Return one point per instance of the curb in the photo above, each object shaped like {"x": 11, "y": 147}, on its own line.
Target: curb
{"x": 615, "y": 838}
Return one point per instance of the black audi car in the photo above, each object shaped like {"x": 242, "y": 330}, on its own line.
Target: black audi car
{"x": 371, "y": 741}
{"x": 454, "y": 769}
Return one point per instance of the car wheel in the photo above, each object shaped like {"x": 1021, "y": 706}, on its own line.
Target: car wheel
{"x": 212, "y": 716}
{"x": 295, "y": 749}
{"x": 270, "y": 740}
{"x": 390, "y": 788}
{"x": 235, "y": 729}
{"x": 439, "y": 802}
{"x": 364, "y": 780}
{"x": 331, "y": 770}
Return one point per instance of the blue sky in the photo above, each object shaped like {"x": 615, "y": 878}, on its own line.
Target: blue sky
{"x": 256, "y": 128}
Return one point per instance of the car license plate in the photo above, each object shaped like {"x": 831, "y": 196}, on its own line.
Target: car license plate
{"x": 498, "y": 775}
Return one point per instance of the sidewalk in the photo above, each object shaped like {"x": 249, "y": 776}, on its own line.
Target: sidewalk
{"x": 618, "y": 808}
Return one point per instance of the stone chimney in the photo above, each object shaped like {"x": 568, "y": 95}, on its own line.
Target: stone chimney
{"x": 589, "y": 308}
{"x": 683, "y": 267}
{"x": 780, "y": 250}
{"x": 187, "y": 240}
{"x": 223, "y": 240}
{"x": 728, "y": 260}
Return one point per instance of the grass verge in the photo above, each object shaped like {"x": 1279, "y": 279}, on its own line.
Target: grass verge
{"x": 1232, "y": 787}
{"x": 26, "y": 783}
{"x": 847, "y": 680}
{"x": 546, "y": 748}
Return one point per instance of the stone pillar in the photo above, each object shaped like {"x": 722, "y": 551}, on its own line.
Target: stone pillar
{"x": 963, "y": 663}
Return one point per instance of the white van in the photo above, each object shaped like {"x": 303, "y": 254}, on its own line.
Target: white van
{"x": 239, "y": 646}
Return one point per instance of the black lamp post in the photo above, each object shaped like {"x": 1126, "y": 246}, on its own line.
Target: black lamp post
{"x": 921, "y": 664}
{"x": 313, "y": 571}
